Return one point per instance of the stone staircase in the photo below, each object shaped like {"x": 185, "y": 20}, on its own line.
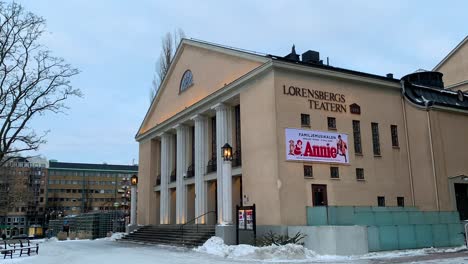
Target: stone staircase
{"x": 189, "y": 236}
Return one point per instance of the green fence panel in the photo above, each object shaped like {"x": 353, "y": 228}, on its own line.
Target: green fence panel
{"x": 410, "y": 209}
{"x": 440, "y": 235}
{"x": 344, "y": 215}
{"x": 358, "y": 209}
{"x": 317, "y": 216}
{"x": 366, "y": 219}
{"x": 431, "y": 218}
{"x": 388, "y": 237}
{"x": 332, "y": 215}
{"x": 406, "y": 236}
{"x": 416, "y": 218}
{"x": 456, "y": 234}
{"x": 373, "y": 240}
{"x": 380, "y": 209}
{"x": 383, "y": 218}
{"x": 449, "y": 217}
{"x": 400, "y": 218}
{"x": 423, "y": 236}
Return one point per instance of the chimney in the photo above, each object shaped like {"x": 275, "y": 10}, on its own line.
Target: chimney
{"x": 390, "y": 75}
{"x": 311, "y": 56}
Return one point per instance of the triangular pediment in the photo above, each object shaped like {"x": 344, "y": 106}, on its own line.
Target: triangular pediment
{"x": 211, "y": 66}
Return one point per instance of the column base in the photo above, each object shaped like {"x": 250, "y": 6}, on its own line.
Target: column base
{"x": 131, "y": 228}
{"x": 227, "y": 233}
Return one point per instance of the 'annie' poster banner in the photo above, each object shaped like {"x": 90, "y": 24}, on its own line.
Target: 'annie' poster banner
{"x": 316, "y": 146}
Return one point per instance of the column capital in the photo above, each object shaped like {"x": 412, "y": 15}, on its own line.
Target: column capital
{"x": 179, "y": 126}
{"x": 163, "y": 134}
{"x": 199, "y": 117}
{"x": 220, "y": 106}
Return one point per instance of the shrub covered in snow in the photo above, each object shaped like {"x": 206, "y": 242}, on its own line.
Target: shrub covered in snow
{"x": 271, "y": 238}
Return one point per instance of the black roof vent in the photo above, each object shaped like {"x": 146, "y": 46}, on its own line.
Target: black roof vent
{"x": 293, "y": 55}
{"x": 311, "y": 56}
{"x": 425, "y": 78}
{"x": 390, "y": 75}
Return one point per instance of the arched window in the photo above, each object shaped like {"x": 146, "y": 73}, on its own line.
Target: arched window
{"x": 186, "y": 81}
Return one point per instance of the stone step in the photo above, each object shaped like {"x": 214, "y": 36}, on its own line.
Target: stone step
{"x": 190, "y": 236}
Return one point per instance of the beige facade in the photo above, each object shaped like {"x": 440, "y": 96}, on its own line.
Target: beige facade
{"x": 418, "y": 170}
{"x": 455, "y": 67}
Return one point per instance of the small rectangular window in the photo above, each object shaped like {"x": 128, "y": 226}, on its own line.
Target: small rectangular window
{"x": 357, "y": 137}
{"x": 334, "y": 173}
{"x": 375, "y": 138}
{"x": 308, "y": 171}
{"x": 305, "y": 120}
{"x": 381, "y": 201}
{"x": 394, "y": 131}
{"x": 359, "y": 173}
{"x": 331, "y": 123}
{"x": 401, "y": 201}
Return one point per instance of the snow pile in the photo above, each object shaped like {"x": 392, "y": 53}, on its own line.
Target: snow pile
{"x": 216, "y": 246}
{"x": 411, "y": 252}
{"x": 113, "y": 237}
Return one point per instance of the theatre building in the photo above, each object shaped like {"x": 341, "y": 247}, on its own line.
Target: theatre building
{"x": 308, "y": 140}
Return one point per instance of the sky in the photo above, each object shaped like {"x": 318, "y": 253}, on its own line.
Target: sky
{"x": 116, "y": 43}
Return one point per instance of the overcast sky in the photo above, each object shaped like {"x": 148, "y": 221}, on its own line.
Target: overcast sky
{"x": 116, "y": 43}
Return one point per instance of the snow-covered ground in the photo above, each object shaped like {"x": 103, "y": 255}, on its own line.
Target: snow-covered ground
{"x": 107, "y": 251}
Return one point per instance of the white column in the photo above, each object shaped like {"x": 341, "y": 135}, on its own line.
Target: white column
{"x": 227, "y": 192}
{"x": 167, "y": 163}
{"x": 201, "y": 160}
{"x": 183, "y": 159}
{"x": 133, "y": 205}
{"x": 223, "y": 136}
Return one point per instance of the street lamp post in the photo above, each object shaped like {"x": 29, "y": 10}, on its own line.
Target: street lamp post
{"x": 226, "y": 151}
{"x": 133, "y": 202}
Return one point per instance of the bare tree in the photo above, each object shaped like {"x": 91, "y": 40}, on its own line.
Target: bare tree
{"x": 32, "y": 81}
{"x": 169, "y": 46}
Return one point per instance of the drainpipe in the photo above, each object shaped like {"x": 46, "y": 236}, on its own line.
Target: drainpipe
{"x": 428, "y": 104}
{"x": 410, "y": 169}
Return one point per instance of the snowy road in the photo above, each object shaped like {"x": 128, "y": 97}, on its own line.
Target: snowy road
{"x": 107, "y": 252}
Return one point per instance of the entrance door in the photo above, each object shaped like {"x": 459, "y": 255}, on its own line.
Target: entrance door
{"x": 461, "y": 196}
{"x": 319, "y": 195}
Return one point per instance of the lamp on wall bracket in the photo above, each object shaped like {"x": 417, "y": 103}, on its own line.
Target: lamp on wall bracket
{"x": 226, "y": 151}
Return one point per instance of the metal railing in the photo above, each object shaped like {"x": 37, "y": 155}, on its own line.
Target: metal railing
{"x": 173, "y": 176}
{"x": 466, "y": 234}
{"x": 158, "y": 180}
{"x": 191, "y": 171}
{"x": 181, "y": 229}
{"x": 212, "y": 166}
{"x": 237, "y": 159}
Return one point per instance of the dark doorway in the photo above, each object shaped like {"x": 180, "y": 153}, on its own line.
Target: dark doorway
{"x": 319, "y": 195}
{"x": 461, "y": 196}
